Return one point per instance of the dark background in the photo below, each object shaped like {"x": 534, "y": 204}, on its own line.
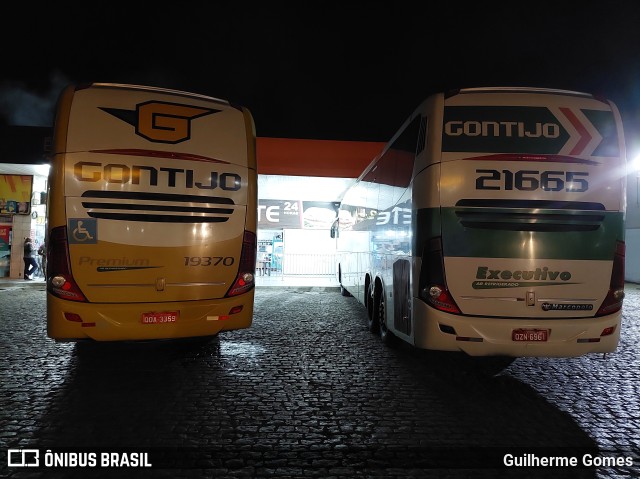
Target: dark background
{"x": 324, "y": 70}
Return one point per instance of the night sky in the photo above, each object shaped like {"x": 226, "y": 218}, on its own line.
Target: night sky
{"x": 324, "y": 70}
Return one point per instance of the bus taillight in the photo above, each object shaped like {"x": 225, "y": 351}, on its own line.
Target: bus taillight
{"x": 433, "y": 286}
{"x": 615, "y": 295}
{"x": 245, "y": 280}
{"x": 60, "y": 281}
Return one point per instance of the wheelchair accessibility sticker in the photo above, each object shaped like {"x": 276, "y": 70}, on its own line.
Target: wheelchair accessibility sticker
{"x": 82, "y": 231}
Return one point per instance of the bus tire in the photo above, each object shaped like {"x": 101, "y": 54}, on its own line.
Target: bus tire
{"x": 369, "y": 300}
{"x": 386, "y": 336}
{"x": 373, "y": 319}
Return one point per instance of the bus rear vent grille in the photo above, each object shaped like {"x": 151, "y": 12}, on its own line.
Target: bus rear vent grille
{"x": 530, "y": 215}
{"x": 156, "y": 207}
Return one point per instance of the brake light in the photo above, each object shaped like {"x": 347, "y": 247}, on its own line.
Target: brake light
{"x": 440, "y": 298}
{"x": 433, "y": 285}
{"x": 245, "y": 280}
{"x": 60, "y": 282}
{"x": 613, "y": 301}
{"x": 608, "y": 331}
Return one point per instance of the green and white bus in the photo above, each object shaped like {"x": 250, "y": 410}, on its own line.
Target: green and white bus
{"x": 493, "y": 224}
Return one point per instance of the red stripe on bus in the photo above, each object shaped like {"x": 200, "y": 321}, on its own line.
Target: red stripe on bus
{"x": 160, "y": 154}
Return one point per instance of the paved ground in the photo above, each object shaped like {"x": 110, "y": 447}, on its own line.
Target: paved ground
{"x": 307, "y": 391}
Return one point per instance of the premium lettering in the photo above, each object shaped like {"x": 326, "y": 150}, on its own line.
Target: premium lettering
{"x": 124, "y": 261}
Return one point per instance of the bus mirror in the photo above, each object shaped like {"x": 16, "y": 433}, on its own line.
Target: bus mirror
{"x": 334, "y": 229}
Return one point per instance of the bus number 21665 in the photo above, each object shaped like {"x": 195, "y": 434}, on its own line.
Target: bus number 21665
{"x": 529, "y": 180}
{"x": 208, "y": 260}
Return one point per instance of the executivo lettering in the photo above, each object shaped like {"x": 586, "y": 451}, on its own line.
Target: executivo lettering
{"x": 506, "y": 278}
{"x": 538, "y": 274}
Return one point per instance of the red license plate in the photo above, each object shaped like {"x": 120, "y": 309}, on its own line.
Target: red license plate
{"x": 160, "y": 317}
{"x": 530, "y": 335}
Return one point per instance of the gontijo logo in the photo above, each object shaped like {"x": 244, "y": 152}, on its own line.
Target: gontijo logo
{"x": 533, "y": 130}
{"x": 161, "y": 122}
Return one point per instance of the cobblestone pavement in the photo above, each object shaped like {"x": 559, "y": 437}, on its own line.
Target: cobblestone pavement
{"x": 307, "y": 391}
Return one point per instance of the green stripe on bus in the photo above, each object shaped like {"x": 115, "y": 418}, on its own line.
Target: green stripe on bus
{"x": 493, "y": 242}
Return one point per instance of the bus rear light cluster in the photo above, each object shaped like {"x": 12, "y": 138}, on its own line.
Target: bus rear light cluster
{"x": 469, "y": 339}
{"x": 76, "y": 318}
{"x": 61, "y": 283}
{"x": 433, "y": 286}
{"x": 73, "y": 317}
{"x": 245, "y": 280}
{"x": 613, "y": 301}
{"x": 224, "y": 317}
{"x": 439, "y": 297}
{"x": 608, "y": 331}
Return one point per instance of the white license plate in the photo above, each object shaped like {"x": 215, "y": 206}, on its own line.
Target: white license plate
{"x": 530, "y": 335}
{"x": 160, "y": 317}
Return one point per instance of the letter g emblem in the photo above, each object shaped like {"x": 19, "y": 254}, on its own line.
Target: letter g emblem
{"x": 167, "y": 122}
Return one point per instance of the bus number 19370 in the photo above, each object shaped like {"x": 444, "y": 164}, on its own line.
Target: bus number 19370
{"x": 208, "y": 260}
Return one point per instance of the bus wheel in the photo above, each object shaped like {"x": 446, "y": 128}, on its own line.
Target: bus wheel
{"x": 369, "y": 301}
{"x": 386, "y": 335}
{"x": 373, "y": 322}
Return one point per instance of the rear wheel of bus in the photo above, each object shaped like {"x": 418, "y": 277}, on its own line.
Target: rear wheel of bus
{"x": 373, "y": 321}
{"x": 386, "y": 336}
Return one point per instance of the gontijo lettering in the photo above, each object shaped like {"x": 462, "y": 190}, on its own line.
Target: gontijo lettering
{"x": 91, "y": 171}
{"x": 538, "y": 274}
{"x": 502, "y": 128}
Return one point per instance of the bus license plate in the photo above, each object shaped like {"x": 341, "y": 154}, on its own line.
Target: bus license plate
{"x": 160, "y": 317}
{"x": 530, "y": 335}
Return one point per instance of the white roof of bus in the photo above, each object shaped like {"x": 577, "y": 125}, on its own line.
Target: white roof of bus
{"x": 158, "y": 90}
{"x": 522, "y": 90}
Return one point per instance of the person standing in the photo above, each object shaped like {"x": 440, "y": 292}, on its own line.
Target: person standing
{"x": 30, "y": 263}
{"x": 42, "y": 263}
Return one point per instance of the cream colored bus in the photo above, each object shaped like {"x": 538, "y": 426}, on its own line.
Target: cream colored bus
{"x": 151, "y": 215}
{"x": 493, "y": 224}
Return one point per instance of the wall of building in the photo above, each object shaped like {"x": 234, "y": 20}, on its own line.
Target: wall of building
{"x": 20, "y": 226}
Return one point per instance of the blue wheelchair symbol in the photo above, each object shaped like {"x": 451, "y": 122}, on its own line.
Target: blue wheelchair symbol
{"x": 82, "y": 231}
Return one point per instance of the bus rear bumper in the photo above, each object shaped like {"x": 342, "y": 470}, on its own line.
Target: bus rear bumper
{"x": 485, "y": 336}
{"x": 74, "y": 321}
